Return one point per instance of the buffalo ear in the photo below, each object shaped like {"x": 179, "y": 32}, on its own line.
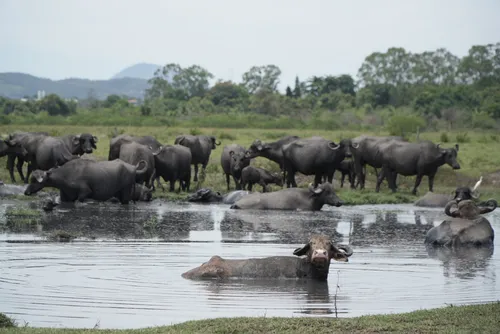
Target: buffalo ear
{"x": 95, "y": 139}
{"x": 302, "y": 250}
{"x": 76, "y": 140}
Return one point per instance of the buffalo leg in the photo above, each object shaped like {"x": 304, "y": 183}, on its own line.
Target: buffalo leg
{"x": 228, "y": 180}
{"x": 236, "y": 183}
{"x": 172, "y": 185}
{"x": 431, "y": 182}
{"x": 10, "y": 167}
{"x": 263, "y": 184}
{"x": 31, "y": 167}
{"x": 195, "y": 173}
{"x": 417, "y": 183}
{"x": 19, "y": 166}
{"x": 391, "y": 179}
{"x": 317, "y": 180}
{"x": 342, "y": 180}
{"x": 250, "y": 186}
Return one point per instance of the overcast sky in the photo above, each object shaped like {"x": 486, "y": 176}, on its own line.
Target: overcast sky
{"x": 95, "y": 39}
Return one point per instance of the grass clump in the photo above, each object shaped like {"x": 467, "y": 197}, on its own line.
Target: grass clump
{"x": 462, "y": 319}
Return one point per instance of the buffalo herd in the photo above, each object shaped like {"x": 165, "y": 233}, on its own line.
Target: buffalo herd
{"x": 136, "y": 163}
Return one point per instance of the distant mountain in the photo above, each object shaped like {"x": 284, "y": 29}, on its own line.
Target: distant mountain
{"x": 18, "y": 85}
{"x": 140, "y": 71}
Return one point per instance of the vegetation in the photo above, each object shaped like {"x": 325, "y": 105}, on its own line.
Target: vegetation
{"x": 397, "y": 91}
{"x": 6, "y": 322}
{"x": 475, "y": 157}
{"x": 466, "y": 319}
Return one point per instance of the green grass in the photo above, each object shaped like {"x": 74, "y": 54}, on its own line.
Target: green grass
{"x": 452, "y": 319}
{"x": 478, "y": 155}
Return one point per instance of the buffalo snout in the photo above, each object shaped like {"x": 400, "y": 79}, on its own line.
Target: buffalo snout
{"x": 455, "y": 165}
{"x": 319, "y": 255}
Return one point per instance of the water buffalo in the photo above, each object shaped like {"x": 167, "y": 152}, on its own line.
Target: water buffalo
{"x": 365, "y": 150}
{"x": 466, "y": 227}
{"x": 314, "y": 265}
{"x": 116, "y": 142}
{"x": 201, "y": 146}
{"x": 132, "y": 153}
{"x": 310, "y": 199}
{"x": 312, "y": 156}
{"x": 423, "y": 158}
{"x": 49, "y": 152}
{"x": 206, "y": 195}
{"x": 233, "y": 161}
{"x": 12, "y": 147}
{"x": 433, "y": 200}
{"x": 272, "y": 151}
{"x": 80, "y": 144}
{"x": 173, "y": 162}
{"x": 346, "y": 168}
{"x": 251, "y": 175}
{"x": 28, "y": 141}
{"x": 82, "y": 179}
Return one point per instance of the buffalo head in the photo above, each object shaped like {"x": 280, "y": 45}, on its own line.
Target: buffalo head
{"x": 467, "y": 209}
{"x": 11, "y": 146}
{"x": 237, "y": 161}
{"x": 450, "y": 156}
{"x": 320, "y": 250}
{"x": 326, "y": 194}
{"x": 38, "y": 180}
{"x": 257, "y": 147}
{"x": 204, "y": 195}
{"x": 141, "y": 193}
{"x": 84, "y": 143}
{"x": 214, "y": 142}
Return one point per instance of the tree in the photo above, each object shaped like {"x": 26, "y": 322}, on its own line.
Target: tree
{"x": 227, "y": 93}
{"x": 297, "y": 90}
{"x": 481, "y": 65}
{"x": 174, "y": 82}
{"x": 262, "y": 78}
{"x": 54, "y": 105}
{"x": 111, "y": 100}
{"x": 289, "y": 92}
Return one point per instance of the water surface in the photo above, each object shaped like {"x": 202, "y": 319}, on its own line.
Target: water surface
{"x": 124, "y": 268}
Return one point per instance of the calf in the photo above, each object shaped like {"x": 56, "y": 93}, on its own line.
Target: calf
{"x": 346, "y": 167}
{"x": 251, "y": 175}
{"x": 233, "y": 161}
{"x": 315, "y": 265}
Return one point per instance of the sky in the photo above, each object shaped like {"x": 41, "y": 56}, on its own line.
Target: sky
{"x": 96, "y": 39}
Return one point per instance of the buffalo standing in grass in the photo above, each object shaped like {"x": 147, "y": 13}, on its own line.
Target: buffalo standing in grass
{"x": 408, "y": 159}
{"x": 365, "y": 150}
{"x": 313, "y": 156}
{"x": 201, "y": 146}
{"x": 80, "y": 179}
{"x": 233, "y": 161}
{"x": 173, "y": 163}
{"x": 314, "y": 265}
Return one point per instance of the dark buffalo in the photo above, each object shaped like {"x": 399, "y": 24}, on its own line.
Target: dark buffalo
{"x": 423, "y": 158}
{"x": 272, "y": 151}
{"x": 49, "y": 152}
{"x": 28, "y": 141}
{"x": 116, "y": 142}
{"x": 12, "y": 147}
{"x": 80, "y": 144}
{"x": 201, "y": 146}
{"x": 346, "y": 168}
{"x": 251, "y": 175}
{"x": 132, "y": 153}
{"x": 206, "y": 195}
{"x": 365, "y": 150}
{"x": 314, "y": 265}
{"x": 433, "y": 200}
{"x": 82, "y": 179}
{"x": 233, "y": 161}
{"x": 313, "y": 156}
{"x": 173, "y": 163}
{"x": 466, "y": 228}
{"x": 310, "y": 199}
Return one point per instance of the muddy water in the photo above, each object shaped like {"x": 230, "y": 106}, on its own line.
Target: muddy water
{"x": 124, "y": 268}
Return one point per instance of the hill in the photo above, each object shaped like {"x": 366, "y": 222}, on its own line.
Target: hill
{"x": 140, "y": 71}
{"x": 18, "y": 85}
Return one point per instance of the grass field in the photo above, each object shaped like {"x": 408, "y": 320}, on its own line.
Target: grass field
{"x": 479, "y": 154}
{"x": 452, "y": 319}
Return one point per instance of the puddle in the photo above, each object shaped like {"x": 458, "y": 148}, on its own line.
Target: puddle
{"x": 124, "y": 268}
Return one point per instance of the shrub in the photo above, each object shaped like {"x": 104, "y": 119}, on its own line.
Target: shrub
{"x": 6, "y": 322}
{"x": 444, "y": 137}
{"x": 463, "y": 137}
{"x": 404, "y": 125}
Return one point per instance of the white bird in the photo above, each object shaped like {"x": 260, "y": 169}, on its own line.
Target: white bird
{"x": 478, "y": 183}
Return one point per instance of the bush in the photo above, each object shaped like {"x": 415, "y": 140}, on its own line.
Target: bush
{"x": 403, "y": 125}
{"x": 444, "y": 137}
{"x": 463, "y": 137}
{"x": 6, "y": 322}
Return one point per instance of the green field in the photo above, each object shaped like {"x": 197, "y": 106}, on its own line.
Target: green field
{"x": 478, "y": 155}
{"x": 452, "y": 319}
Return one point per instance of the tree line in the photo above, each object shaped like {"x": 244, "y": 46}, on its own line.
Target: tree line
{"x": 432, "y": 89}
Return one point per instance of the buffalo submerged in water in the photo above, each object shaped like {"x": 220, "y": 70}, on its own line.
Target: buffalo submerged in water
{"x": 318, "y": 251}
{"x": 309, "y": 199}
